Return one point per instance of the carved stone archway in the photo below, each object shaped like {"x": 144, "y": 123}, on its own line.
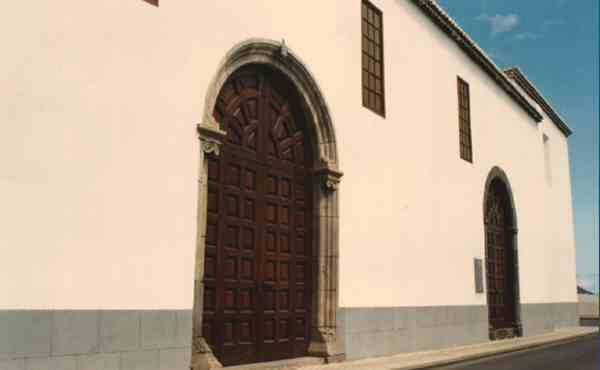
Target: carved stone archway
{"x": 496, "y": 175}
{"x": 326, "y": 174}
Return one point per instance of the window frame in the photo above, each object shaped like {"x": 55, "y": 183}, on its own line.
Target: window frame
{"x": 465, "y": 136}
{"x": 365, "y": 89}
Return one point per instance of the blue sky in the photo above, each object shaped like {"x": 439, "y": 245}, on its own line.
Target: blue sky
{"x": 555, "y": 43}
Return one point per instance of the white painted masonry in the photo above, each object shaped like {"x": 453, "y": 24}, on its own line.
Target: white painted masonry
{"x": 99, "y": 164}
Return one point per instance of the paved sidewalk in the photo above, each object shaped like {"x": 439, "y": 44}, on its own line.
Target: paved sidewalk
{"x": 421, "y": 360}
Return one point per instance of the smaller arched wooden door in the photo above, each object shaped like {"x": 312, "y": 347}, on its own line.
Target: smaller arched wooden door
{"x": 500, "y": 262}
{"x": 258, "y": 280}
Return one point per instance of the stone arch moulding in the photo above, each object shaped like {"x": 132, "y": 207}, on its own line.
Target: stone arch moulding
{"x": 326, "y": 176}
{"x": 497, "y": 173}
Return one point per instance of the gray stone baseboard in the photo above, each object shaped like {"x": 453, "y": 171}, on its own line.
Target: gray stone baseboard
{"x": 161, "y": 340}
{"x": 384, "y": 331}
{"x": 540, "y": 318}
{"x": 95, "y": 339}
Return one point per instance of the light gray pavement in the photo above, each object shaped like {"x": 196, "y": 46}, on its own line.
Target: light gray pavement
{"x": 578, "y": 354}
{"x": 421, "y": 360}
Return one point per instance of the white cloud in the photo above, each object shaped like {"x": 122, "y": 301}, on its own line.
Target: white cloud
{"x": 544, "y": 28}
{"x": 528, "y": 36}
{"x": 500, "y": 23}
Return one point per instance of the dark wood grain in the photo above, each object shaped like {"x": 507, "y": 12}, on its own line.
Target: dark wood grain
{"x": 499, "y": 258}
{"x": 258, "y": 271}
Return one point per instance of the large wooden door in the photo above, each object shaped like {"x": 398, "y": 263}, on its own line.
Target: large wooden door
{"x": 258, "y": 246}
{"x": 500, "y": 262}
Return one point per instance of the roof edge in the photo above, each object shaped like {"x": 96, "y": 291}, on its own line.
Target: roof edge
{"x": 519, "y": 77}
{"x": 447, "y": 24}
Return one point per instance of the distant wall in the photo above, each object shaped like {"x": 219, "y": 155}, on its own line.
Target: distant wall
{"x": 587, "y": 306}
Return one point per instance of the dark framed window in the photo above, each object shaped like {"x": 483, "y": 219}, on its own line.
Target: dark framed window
{"x": 373, "y": 92}
{"x": 464, "y": 120}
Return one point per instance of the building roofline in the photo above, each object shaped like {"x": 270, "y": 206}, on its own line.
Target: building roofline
{"x": 519, "y": 77}
{"x": 449, "y": 26}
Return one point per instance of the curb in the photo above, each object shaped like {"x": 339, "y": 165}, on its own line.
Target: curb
{"x": 495, "y": 353}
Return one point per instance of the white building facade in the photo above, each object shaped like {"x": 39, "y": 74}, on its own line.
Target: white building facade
{"x": 179, "y": 186}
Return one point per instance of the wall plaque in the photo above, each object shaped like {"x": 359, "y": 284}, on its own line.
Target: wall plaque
{"x": 478, "y": 275}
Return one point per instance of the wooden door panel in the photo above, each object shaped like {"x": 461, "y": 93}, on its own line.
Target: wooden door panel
{"x": 501, "y": 303}
{"x": 284, "y": 266}
{"x": 257, "y": 264}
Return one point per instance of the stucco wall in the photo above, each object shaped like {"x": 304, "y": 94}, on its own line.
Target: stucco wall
{"x": 99, "y": 165}
{"x": 100, "y": 155}
{"x": 430, "y": 202}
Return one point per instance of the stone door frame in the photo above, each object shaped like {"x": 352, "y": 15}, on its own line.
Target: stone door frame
{"x": 326, "y": 176}
{"x": 499, "y": 174}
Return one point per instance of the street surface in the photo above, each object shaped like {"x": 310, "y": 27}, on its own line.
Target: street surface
{"x": 581, "y": 354}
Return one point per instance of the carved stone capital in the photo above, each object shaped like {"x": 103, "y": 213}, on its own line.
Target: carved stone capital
{"x": 211, "y": 137}
{"x": 328, "y": 176}
{"x": 202, "y": 356}
{"x": 210, "y": 146}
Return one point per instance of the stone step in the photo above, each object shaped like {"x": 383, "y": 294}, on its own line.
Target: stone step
{"x": 291, "y": 364}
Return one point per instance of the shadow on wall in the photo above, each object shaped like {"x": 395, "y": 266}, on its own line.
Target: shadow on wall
{"x": 153, "y": 2}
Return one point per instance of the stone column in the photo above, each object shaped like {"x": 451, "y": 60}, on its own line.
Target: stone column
{"x": 211, "y": 138}
{"x": 324, "y": 336}
{"x": 513, "y": 233}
